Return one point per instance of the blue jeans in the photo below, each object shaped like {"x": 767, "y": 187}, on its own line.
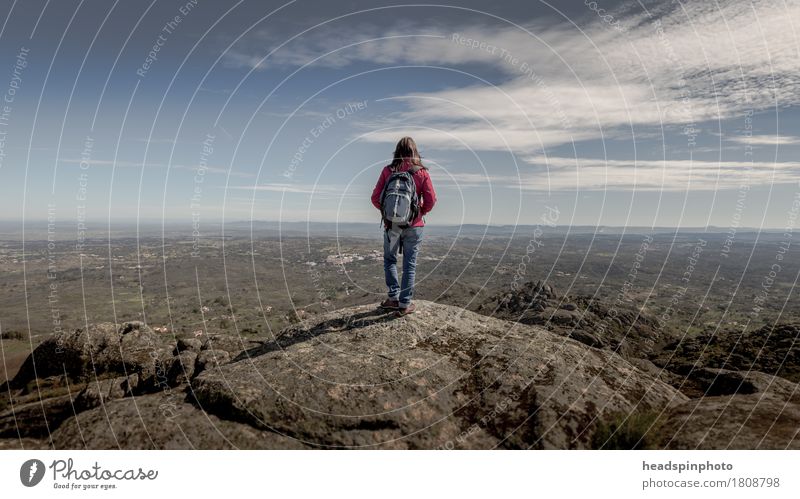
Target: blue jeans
{"x": 411, "y": 238}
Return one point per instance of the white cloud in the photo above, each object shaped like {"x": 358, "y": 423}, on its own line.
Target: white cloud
{"x": 135, "y": 164}
{"x": 765, "y": 140}
{"x": 565, "y": 173}
{"x": 321, "y": 190}
{"x": 697, "y": 64}
{"x": 331, "y": 47}
{"x": 671, "y": 175}
{"x": 463, "y": 180}
{"x": 691, "y": 62}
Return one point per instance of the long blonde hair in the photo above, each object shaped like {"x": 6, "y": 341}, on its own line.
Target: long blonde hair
{"x": 406, "y": 150}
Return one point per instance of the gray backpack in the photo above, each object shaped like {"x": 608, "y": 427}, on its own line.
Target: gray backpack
{"x": 399, "y": 201}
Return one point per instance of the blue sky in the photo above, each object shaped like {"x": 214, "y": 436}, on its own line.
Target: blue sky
{"x": 647, "y": 114}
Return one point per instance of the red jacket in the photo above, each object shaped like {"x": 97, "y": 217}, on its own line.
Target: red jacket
{"x": 425, "y": 192}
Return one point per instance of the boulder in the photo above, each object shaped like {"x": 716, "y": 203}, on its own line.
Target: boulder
{"x": 585, "y": 338}
{"x": 622, "y": 328}
{"x": 758, "y": 421}
{"x": 35, "y": 418}
{"x": 192, "y": 344}
{"x": 231, "y": 343}
{"x": 164, "y": 420}
{"x": 71, "y": 352}
{"x": 562, "y": 317}
{"x": 141, "y": 351}
{"x": 772, "y": 350}
{"x": 24, "y": 444}
{"x": 100, "y": 391}
{"x": 704, "y": 382}
{"x": 99, "y": 350}
{"x": 741, "y": 410}
{"x": 183, "y": 367}
{"x": 440, "y": 378}
{"x": 211, "y": 358}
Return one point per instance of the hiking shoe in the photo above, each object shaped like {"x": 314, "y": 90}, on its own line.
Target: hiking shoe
{"x": 390, "y": 304}
{"x": 406, "y": 310}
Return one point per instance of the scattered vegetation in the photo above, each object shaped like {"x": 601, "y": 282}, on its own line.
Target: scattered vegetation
{"x": 633, "y": 431}
{"x": 13, "y": 335}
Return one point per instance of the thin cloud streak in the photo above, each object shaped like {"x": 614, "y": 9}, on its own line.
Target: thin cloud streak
{"x": 670, "y": 175}
{"x": 323, "y": 190}
{"x": 765, "y": 140}
{"x": 567, "y": 174}
{"x": 134, "y": 164}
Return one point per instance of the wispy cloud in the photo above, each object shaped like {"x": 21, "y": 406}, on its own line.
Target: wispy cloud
{"x": 562, "y": 173}
{"x": 135, "y": 164}
{"x": 679, "y": 65}
{"x": 331, "y": 47}
{"x": 322, "y": 190}
{"x": 565, "y": 173}
{"x": 690, "y": 65}
{"x": 765, "y": 140}
{"x": 462, "y": 180}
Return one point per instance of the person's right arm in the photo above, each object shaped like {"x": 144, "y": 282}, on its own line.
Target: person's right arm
{"x": 376, "y": 192}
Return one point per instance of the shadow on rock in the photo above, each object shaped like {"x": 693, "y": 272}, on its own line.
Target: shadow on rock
{"x": 300, "y": 333}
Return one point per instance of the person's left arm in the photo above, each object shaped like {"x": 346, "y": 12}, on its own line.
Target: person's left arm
{"x": 428, "y": 194}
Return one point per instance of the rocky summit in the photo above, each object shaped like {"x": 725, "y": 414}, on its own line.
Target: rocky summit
{"x": 619, "y": 327}
{"x": 442, "y": 378}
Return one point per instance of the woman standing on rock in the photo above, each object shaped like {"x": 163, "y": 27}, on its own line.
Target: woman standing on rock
{"x": 404, "y": 194}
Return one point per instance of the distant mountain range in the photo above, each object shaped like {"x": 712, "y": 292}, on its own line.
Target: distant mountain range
{"x": 66, "y": 230}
